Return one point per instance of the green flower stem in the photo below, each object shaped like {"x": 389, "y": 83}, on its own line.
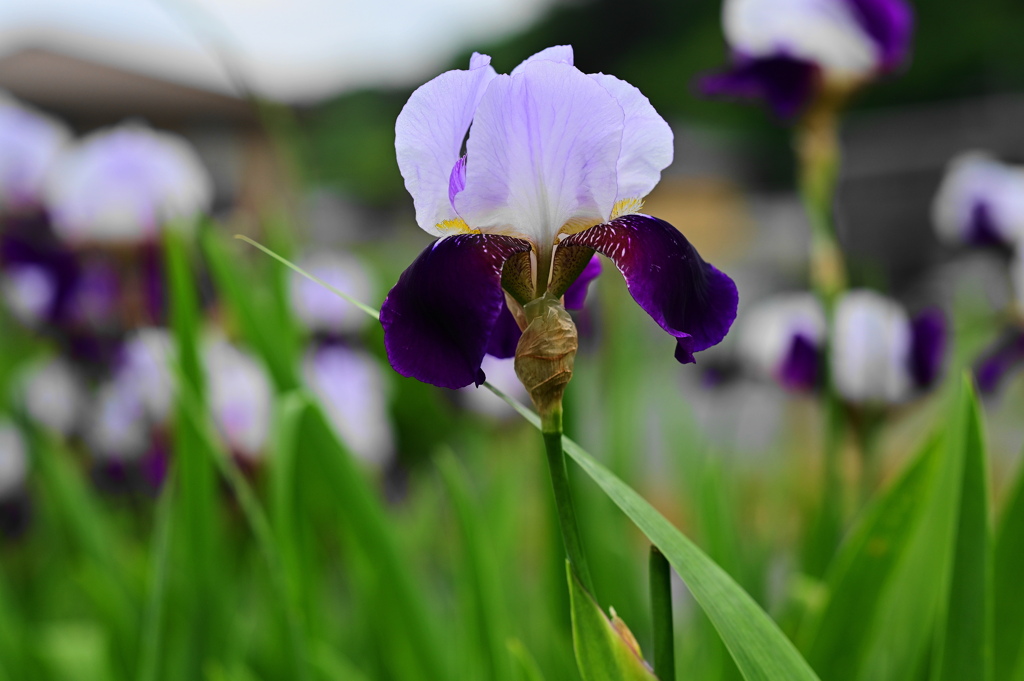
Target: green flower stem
{"x": 819, "y": 154}
{"x": 551, "y": 428}
{"x": 661, "y": 613}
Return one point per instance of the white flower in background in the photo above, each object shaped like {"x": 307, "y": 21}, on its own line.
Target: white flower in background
{"x": 28, "y": 292}
{"x": 352, "y": 389}
{"x": 980, "y": 200}
{"x": 321, "y": 310}
{"x": 124, "y": 184}
{"x": 880, "y": 355}
{"x": 501, "y": 373}
{"x": 54, "y": 396}
{"x": 29, "y": 143}
{"x": 147, "y": 361}
{"x": 782, "y": 338}
{"x": 117, "y": 427}
{"x": 240, "y": 398}
{"x": 13, "y": 460}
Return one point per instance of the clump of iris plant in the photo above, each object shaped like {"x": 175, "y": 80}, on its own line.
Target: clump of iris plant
{"x": 524, "y": 177}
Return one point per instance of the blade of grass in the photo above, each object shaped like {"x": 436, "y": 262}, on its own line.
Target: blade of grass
{"x": 964, "y": 648}
{"x": 479, "y": 569}
{"x": 1008, "y": 654}
{"x": 152, "y": 619}
{"x": 836, "y": 637}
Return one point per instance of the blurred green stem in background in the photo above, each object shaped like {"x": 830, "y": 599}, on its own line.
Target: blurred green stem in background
{"x": 818, "y": 151}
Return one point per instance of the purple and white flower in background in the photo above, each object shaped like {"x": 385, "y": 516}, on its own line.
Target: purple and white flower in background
{"x": 321, "y": 311}
{"x": 29, "y": 292}
{"x": 124, "y": 184}
{"x": 980, "y": 201}
{"x": 879, "y": 355}
{"x": 146, "y": 361}
{"x": 240, "y": 398}
{"x": 784, "y": 51}
{"x": 13, "y": 460}
{"x": 54, "y": 395}
{"x": 783, "y": 339}
{"x": 117, "y": 429}
{"x": 1006, "y": 355}
{"x": 556, "y": 165}
{"x": 353, "y": 392}
{"x": 29, "y": 143}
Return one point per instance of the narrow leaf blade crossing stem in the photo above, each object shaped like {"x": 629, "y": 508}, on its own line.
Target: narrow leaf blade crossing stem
{"x": 661, "y": 613}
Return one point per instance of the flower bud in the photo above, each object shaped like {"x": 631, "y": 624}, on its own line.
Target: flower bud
{"x": 545, "y": 354}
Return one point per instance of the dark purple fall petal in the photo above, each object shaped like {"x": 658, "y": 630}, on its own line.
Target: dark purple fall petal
{"x": 29, "y": 241}
{"x": 784, "y": 83}
{"x": 504, "y": 336}
{"x": 927, "y": 347}
{"x": 982, "y": 230}
{"x": 1005, "y": 356}
{"x": 801, "y": 367}
{"x": 576, "y": 294}
{"x": 439, "y": 317}
{"x": 666, "y": 276}
{"x": 890, "y": 24}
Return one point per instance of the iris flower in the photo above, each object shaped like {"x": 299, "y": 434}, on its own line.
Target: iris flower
{"x": 980, "y": 201}
{"x": 555, "y": 167}
{"x": 785, "y": 51}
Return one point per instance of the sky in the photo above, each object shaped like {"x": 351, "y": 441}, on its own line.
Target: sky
{"x": 290, "y": 50}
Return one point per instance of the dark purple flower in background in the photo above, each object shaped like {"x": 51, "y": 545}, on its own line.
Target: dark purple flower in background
{"x": 555, "y": 168}
{"x": 785, "y": 50}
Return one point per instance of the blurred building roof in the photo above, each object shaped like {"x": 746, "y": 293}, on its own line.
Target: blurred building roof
{"x": 293, "y": 51}
{"x": 79, "y": 89}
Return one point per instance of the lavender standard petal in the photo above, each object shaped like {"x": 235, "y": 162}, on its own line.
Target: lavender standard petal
{"x": 439, "y": 317}
{"x": 686, "y": 296}
{"x": 784, "y": 83}
{"x": 927, "y": 347}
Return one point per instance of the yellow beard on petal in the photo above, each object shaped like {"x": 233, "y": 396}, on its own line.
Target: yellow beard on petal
{"x": 623, "y": 207}
{"x": 455, "y": 226}
{"x": 627, "y": 207}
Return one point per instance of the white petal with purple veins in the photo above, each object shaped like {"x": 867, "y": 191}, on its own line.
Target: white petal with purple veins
{"x": 824, "y": 32}
{"x": 646, "y": 140}
{"x": 542, "y": 154}
{"x": 429, "y": 134}
{"x": 871, "y": 349}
